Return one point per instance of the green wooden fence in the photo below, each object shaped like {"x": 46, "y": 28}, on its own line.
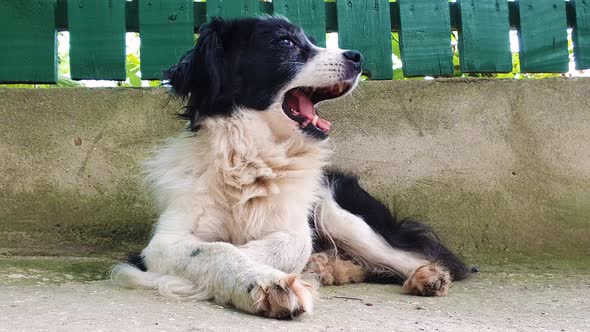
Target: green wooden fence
{"x": 166, "y": 28}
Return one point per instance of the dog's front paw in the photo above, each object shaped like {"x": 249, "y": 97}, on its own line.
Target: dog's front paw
{"x": 285, "y": 298}
{"x": 428, "y": 280}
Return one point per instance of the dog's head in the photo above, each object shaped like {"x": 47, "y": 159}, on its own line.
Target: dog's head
{"x": 265, "y": 64}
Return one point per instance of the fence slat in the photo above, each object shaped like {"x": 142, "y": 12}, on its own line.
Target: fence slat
{"x": 28, "y": 41}
{"x": 308, "y": 14}
{"x": 166, "y": 29}
{"x": 543, "y": 36}
{"x": 331, "y": 25}
{"x": 425, "y": 37}
{"x": 581, "y": 34}
{"x": 484, "y": 39}
{"x": 364, "y": 25}
{"x": 97, "y": 39}
{"x": 232, "y": 8}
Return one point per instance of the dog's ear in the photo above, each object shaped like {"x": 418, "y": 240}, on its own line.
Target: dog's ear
{"x": 201, "y": 73}
{"x": 180, "y": 75}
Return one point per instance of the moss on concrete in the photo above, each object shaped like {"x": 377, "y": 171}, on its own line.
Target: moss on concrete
{"x": 525, "y": 219}
{"x": 70, "y": 176}
{"x": 68, "y": 222}
{"x": 48, "y": 270}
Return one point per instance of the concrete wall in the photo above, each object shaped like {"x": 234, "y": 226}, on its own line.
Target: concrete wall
{"x": 495, "y": 166}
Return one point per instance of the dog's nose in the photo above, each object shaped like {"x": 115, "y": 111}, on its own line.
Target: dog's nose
{"x": 354, "y": 56}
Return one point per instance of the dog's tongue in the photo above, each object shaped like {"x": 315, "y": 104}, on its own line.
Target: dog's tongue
{"x": 305, "y": 107}
{"x": 323, "y": 124}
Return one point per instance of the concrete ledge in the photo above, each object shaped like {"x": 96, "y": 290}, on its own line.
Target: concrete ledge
{"x": 495, "y": 166}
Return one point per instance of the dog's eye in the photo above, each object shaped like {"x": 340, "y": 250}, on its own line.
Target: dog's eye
{"x": 286, "y": 42}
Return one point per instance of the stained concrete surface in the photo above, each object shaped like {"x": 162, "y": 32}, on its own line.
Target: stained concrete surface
{"x": 494, "y": 166}
{"x": 59, "y": 294}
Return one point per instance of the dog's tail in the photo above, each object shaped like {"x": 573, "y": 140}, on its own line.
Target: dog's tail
{"x": 128, "y": 276}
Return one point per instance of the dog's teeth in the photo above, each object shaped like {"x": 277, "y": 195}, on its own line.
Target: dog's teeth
{"x": 340, "y": 88}
{"x": 315, "y": 121}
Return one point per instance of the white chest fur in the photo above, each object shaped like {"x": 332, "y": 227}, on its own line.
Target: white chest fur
{"x": 237, "y": 180}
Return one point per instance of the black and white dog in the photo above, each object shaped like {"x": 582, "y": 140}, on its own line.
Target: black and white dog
{"x": 247, "y": 200}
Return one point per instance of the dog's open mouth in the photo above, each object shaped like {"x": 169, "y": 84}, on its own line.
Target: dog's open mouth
{"x": 299, "y": 105}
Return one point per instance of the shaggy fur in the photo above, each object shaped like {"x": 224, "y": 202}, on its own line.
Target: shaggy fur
{"x": 237, "y": 189}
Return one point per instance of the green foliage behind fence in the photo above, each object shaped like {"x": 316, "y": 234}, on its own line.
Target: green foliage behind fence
{"x": 166, "y": 28}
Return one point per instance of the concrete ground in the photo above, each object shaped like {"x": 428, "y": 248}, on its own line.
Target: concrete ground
{"x": 67, "y": 294}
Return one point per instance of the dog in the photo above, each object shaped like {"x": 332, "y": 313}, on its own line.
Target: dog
{"x": 248, "y": 202}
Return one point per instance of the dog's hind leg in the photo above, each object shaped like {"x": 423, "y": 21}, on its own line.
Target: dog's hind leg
{"x": 367, "y": 231}
{"x": 352, "y": 235}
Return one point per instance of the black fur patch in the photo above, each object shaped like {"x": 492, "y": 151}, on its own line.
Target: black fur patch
{"x": 250, "y": 288}
{"x": 407, "y": 234}
{"x": 195, "y": 252}
{"x": 383, "y": 278}
{"x": 136, "y": 259}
